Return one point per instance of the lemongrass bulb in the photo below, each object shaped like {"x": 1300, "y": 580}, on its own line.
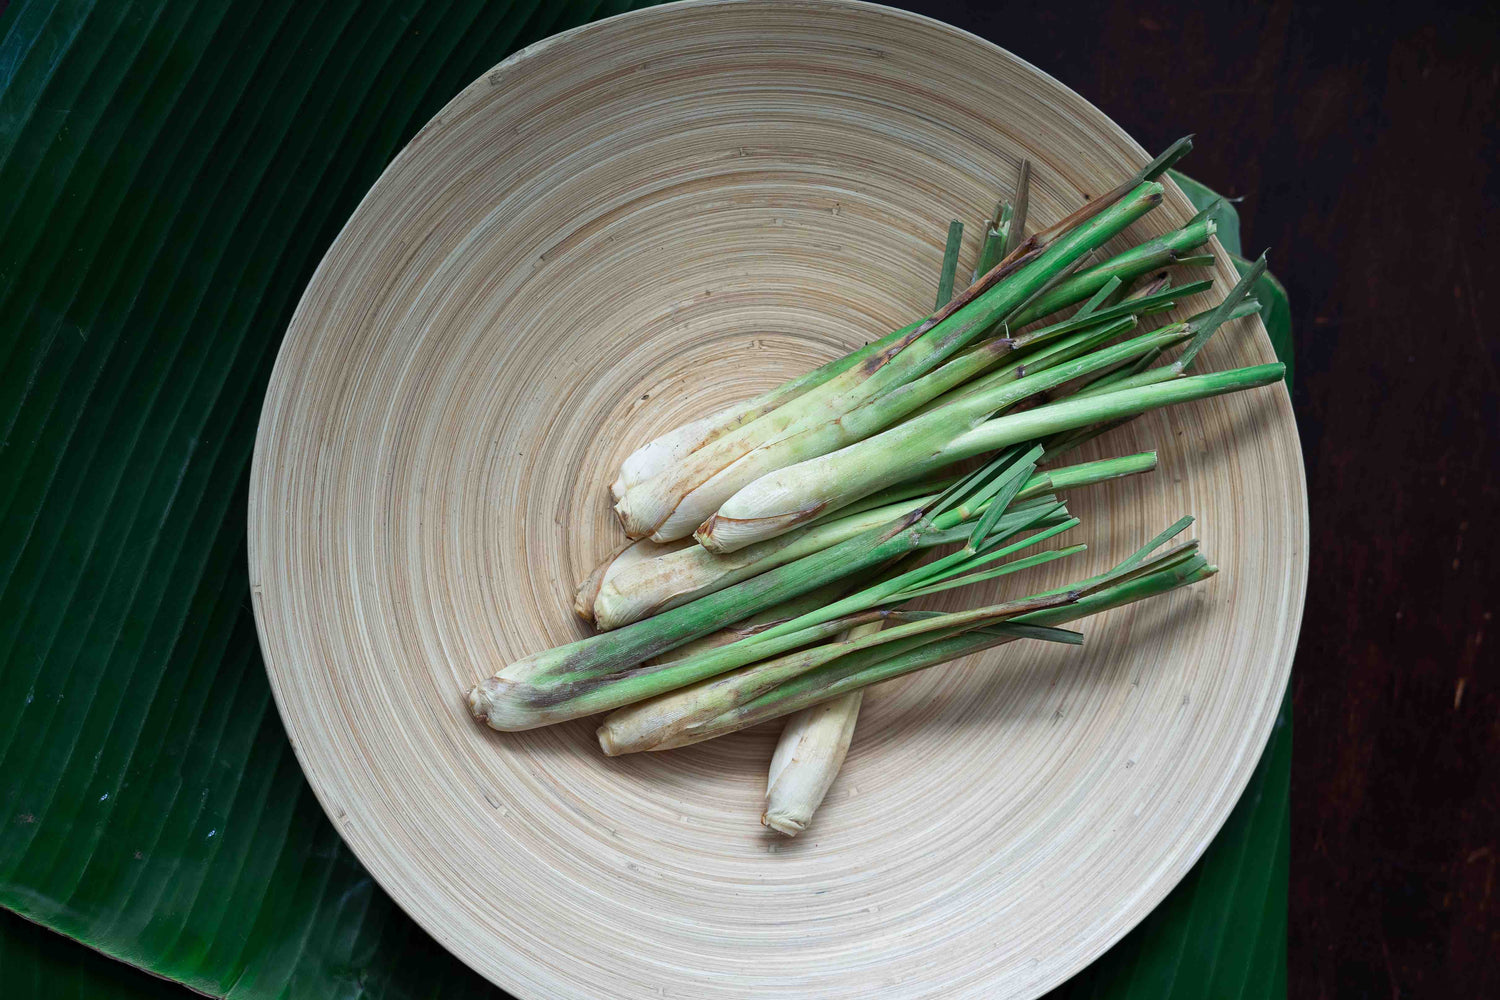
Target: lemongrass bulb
{"x": 586, "y": 592}
{"x": 662, "y": 453}
{"x": 807, "y": 759}
{"x": 636, "y": 560}
{"x": 683, "y": 570}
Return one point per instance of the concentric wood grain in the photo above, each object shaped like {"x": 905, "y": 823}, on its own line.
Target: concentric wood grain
{"x": 625, "y": 227}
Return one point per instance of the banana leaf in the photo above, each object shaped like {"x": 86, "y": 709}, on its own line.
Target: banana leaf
{"x": 36, "y": 962}
{"x": 172, "y": 173}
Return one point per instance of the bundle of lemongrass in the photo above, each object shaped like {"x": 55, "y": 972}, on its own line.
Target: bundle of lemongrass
{"x": 735, "y": 600}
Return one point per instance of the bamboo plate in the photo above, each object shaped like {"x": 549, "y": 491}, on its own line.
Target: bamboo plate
{"x": 622, "y": 228}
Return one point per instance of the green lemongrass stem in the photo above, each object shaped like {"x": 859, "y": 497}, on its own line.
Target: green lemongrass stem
{"x": 683, "y": 573}
{"x": 1140, "y": 305}
{"x": 949, "y": 268}
{"x": 857, "y": 671}
{"x": 1038, "y": 359}
{"x": 780, "y": 500}
{"x": 992, "y": 250}
{"x": 1015, "y": 226}
{"x": 549, "y": 686}
{"x": 662, "y": 453}
{"x": 1203, "y": 325}
{"x": 665, "y": 451}
{"x": 602, "y": 671}
{"x": 1163, "y": 251}
{"x": 680, "y": 709}
{"x": 673, "y": 504}
{"x": 561, "y": 697}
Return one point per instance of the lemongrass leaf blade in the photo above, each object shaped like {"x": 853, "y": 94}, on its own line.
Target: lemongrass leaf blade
{"x": 950, "y": 263}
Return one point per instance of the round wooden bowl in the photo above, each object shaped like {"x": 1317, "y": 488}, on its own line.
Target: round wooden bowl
{"x": 625, "y": 227}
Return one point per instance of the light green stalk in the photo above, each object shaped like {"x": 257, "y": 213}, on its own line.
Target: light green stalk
{"x": 1142, "y": 259}
{"x": 605, "y": 671}
{"x": 629, "y": 587}
{"x": 928, "y": 443}
{"x": 673, "y": 504}
{"x": 670, "y": 717}
{"x": 778, "y": 687}
{"x": 662, "y": 453}
{"x": 967, "y": 427}
{"x": 919, "y": 446}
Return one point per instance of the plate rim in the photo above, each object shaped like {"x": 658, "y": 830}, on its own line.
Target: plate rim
{"x": 1177, "y": 864}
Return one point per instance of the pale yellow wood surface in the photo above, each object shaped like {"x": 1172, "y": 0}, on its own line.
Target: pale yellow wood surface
{"x": 619, "y": 229}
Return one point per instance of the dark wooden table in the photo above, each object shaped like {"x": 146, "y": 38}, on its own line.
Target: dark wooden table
{"x": 1365, "y": 140}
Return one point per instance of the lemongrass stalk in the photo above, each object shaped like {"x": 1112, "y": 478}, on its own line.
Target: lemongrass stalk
{"x": 967, "y": 427}
{"x": 671, "y": 505}
{"x": 677, "y": 713}
{"x": 779, "y": 500}
{"x": 918, "y": 447}
{"x": 663, "y": 453}
{"x": 992, "y": 250}
{"x": 808, "y": 756}
{"x": 605, "y": 671}
{"x": 648, "y": 586}
{"x": 1154, "y": 254}
{"x": 949, "y": 269}
{"x": 555, "y": 684}
{"x": 627, "y": 730}
{"x": 631, "y": 553}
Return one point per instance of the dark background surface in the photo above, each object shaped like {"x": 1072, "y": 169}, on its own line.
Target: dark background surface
{"x": 1365, "y": 141}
